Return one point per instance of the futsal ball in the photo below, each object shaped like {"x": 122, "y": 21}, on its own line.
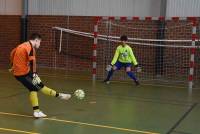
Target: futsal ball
{"x": 79, "y": 94}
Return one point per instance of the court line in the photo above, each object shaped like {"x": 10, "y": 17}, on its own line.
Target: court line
{"x": 18, "y": 131}
{"x": 182, "y": 118}
{"x": 82, "y": 123}
{"x": 103, "y": 126}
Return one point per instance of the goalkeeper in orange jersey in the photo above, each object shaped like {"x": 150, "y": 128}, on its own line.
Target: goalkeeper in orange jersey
{"x": 23, "y": 61}
{"x": 123, "y": 57}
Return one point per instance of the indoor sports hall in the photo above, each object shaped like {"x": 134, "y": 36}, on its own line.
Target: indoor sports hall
{"x": 99, "y": 66}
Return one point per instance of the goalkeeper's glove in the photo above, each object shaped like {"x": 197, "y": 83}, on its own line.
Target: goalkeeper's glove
{"x": 109, "y": 67}
{"x": 36, "y": 79}
{"x": 138, "y": 68}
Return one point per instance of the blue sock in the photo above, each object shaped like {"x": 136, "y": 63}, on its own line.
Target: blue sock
{"x": 110, "y": 73}
{"x": 131, "y": 75}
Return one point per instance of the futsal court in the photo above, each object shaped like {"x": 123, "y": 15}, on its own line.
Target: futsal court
{"x": 137, "y": 61}
{"x": 118, "y": 108}
{"x": 165, "y": 102}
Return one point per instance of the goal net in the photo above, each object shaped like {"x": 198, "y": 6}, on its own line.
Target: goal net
{"x": 163, "y": 49}
{"x": 73, "y": 52}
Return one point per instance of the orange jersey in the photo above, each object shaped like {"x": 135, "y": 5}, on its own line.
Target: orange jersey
{"x": 23, "y": 59}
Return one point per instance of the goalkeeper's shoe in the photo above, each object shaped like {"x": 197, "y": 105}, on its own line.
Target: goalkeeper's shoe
{"x": 64, "y": 96}
{"x": 39, "y": 114}
{"x": 137, "y": 83}
{"x": 106, "y": 81}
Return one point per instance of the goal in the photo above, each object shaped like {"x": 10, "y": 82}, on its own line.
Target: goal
{"x": 166, "y": 48}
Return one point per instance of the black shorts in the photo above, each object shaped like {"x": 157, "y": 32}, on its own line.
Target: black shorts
{"x": 26, "y": 80}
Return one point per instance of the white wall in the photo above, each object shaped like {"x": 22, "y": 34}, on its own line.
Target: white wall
{"x": 183, "y": 8}
{"x": 147, "y": 7}
{"x": 10, "y": 7}
{"x": 102, "y": 7}
{"x": 95, "y": 7}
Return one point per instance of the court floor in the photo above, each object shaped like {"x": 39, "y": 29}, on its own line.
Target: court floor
{"x": 118, "y": 108}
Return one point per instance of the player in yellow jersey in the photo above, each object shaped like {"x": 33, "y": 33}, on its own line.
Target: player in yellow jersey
{"x": 123, "y": 57}
{"x": 23, "y": 61}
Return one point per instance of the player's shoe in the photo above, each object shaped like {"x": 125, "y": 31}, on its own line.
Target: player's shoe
{"x": 39, "y": 114}
{"x": 137, "y": 83}
{"x": 106, "y": 81}
{"x": 64, "y": 96}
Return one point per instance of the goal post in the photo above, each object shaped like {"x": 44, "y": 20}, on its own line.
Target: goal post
{"x": 164, "y": 47}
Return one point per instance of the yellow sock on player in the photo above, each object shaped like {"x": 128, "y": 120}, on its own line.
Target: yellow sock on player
{"x": 49, "y": 91}
{"x": 34, "y": 100}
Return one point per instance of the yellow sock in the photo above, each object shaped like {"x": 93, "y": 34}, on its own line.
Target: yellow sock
{"x": 34, "y": 100}
{"x": 48, "y": 91}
